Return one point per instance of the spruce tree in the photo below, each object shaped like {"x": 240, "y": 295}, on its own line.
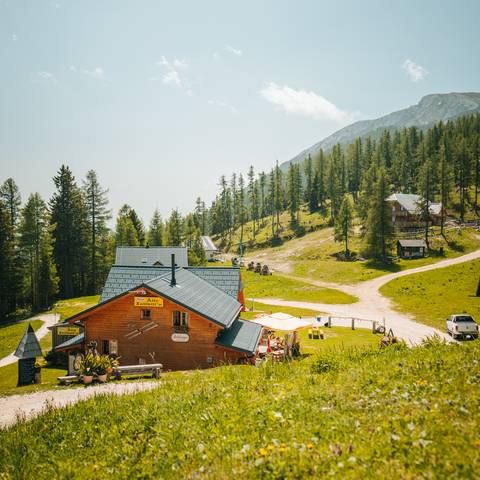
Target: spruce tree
{"x": 7, "y": 262}
{"x": 125, "y": 232}
{"x": 344, "y": 222}
{"x": 156, "y": 230}
{"x": 70, "y": 230}
{"x": 425, "y": 189}
{"x": 175, "y": 228}
{"x": 378, "y": 229}
{"x": 96, "y": 202}
{"x": 10, "y": 195}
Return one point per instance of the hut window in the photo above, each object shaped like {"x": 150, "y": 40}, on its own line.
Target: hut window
{"x": 146, "y": 314}
{"x": 106, "y": 347}
{"x": 180, "y": 320}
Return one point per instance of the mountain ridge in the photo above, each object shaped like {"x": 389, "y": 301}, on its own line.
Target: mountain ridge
{"x": 430, "y": 109}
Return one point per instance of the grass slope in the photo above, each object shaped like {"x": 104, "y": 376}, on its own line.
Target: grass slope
{"x": 71, "y": 306}
{"x": 313, "y": 256}
{"x": 432, "y": 296}
{"x": 276, "y": 286}
{"x": 356, "y": 413}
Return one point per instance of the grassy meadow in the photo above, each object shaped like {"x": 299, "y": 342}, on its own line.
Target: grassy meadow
{"x": 432, "y": 296}
{"x": 278, "y": 286}
{"x": 342, "y": 413}
{"x": 314, "y": 256}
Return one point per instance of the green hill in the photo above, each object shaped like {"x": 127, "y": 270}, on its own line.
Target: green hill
{"x": 355, "y": 413}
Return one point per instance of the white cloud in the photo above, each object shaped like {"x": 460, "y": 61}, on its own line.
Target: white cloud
{"x": 414, "y": 71}
{"x": 224, "y": 105}
{"x": 172, "y": 76}
{"x": 14, "y": 37}
{"x": 97, "y": 73}
{"x": 73, "y": 68}
{"x": 233, "y": 50}
{"x": 301, "y": 102}
{"x": 48, "y": 76}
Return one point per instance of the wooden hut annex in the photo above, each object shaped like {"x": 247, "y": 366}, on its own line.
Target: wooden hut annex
{"x": 183, "y": 317}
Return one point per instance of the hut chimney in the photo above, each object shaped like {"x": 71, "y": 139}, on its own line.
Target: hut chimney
{"x": 173, "y": 280}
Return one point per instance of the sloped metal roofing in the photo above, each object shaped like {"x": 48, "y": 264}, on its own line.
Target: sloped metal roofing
{"x": 123, "y": 278}
{"x": 242, "y": 335}
{"x": 77, "y": 340}
{"x": 28, "y": 346}
{"x": 133, "y": 256}
{"x": 208, "y": 244}
{"x": 198, "y": 295}
{"x": 410, "y": 202}
{"x": 413, "y": 243}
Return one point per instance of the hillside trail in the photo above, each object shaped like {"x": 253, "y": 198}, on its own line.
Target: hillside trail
{"x": 15, "y": 408}
{"x": 372, "y": 305}
{"x": 48, "y": 320}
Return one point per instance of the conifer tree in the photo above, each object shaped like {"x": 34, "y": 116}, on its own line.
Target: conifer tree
{"x": 70, "y": 229}
{"x": 156, "y": 230}
{"x": 379, "y": 231}
{"x": 7, "y": 262}
{"x": 344, "y": 222}
{"x": 97, "y": 215}
{"x": 425, "y": 189}
{"x": 196, "y": 252}
{"x": 445, "y": 182}
{"x": 175, "y": 228}
{"x": 10, "y": 195}
{"x": 125, "y": 232}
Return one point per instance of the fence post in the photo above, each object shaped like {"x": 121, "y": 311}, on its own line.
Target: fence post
{"x": 353, "y": 323}
{"x": 329, "y": 322}
{"x": 374, "y": 326}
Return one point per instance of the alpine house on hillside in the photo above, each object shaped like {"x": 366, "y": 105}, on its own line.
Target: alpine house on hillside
{"x": 182, "y": 317}
{"x": 406, "y": 210}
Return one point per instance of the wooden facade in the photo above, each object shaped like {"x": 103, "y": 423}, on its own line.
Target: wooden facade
{"x": 121, "y": 328}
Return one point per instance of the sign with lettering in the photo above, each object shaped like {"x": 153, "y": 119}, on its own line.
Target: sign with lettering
{"x": 68, "y": 331}
{"x": 180, "y": 337}
{"x": 154, "y": 302}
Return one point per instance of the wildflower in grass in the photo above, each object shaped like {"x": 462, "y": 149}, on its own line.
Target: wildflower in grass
{"x": 477, "y": 442}
{"x": 263, "y": 452}
{"x": 270, "y": 447}
{"x": 309, "y": 446}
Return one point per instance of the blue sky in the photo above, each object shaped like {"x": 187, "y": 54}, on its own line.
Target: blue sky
{"x": 161, "y": 98}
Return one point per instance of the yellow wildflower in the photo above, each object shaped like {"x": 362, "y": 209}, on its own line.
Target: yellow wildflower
{"x": 263, "y": 452}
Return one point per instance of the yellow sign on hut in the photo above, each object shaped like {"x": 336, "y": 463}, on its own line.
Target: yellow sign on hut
{"x": 72, "y": 331}
{"x": 148, "y": 302}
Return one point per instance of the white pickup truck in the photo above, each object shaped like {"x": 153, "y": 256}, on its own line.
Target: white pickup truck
{"x": 461, "y": 326}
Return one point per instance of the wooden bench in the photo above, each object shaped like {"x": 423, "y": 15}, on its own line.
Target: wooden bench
{"x": 154, "y": 368}
{"x": 65, "y": 380}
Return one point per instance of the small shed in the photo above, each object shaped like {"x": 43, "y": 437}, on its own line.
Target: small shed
{"x": 27, "y": 351}
{"x": 411, "y": 248}
{"x": 210, "y": 248}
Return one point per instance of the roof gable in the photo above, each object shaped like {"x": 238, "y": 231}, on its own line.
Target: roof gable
{"x": 198, "y": 295}
{"x": 411, "y": 202}
{"x": 148, "y": 256}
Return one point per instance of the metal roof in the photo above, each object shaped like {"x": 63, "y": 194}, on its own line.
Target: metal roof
{"x": 123, "y": 278}
{"x": 413, "y": 243}
{"x": 198, "y": 295}
{"x": 77, "y": 340}
{"x": 410, "y": 202}
{"x": 28, "y": 346}
{"x": 242, "y": 335}
{"x": 149, "y": 256}
{"x": 208, "y": 244}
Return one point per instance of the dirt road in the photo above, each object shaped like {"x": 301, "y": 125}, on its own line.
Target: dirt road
{"x": 373, "y": 305}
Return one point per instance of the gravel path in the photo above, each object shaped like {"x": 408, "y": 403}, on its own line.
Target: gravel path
{"x": 372, "y": 305}
{"x": 17, "y": 407}
{"x": 48, "y": 319}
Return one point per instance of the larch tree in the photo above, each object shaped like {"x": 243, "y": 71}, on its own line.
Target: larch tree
{"x": 10, "y": 195}
{"x": 7, "y": 262}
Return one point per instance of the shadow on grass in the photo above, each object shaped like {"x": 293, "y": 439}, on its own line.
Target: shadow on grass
{"x": 456, "y": 247}
{"x": 389, "y": 267}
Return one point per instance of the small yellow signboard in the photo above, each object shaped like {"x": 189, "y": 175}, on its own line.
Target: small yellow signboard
{"x": 68, "y": 331}
{"x": 148, "y": 302}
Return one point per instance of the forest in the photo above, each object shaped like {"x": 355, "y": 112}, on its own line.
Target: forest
{"x": 63, "y": 247}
